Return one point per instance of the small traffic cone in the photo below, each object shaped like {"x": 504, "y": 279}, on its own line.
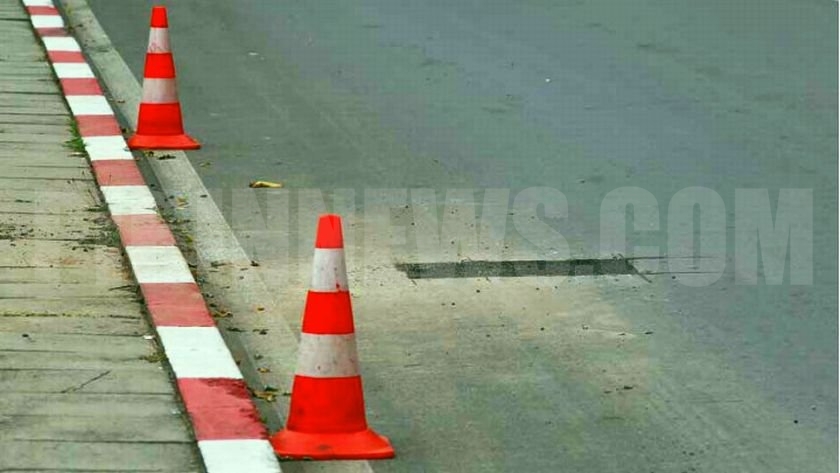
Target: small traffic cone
{"x": 159, "y": 124}
{"x": 327, "y": 414}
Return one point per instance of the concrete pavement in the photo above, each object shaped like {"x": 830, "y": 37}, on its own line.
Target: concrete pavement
{"x": 82, "y": 382}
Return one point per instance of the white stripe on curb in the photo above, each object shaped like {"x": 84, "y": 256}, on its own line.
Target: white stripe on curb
{"x": 329, "y": 273}
{"x": 236, "y": 456}
{"x": 73, "y": 70}
{"x": 38, "y": 3}
{"x": 128, "y": 200}
{"x": 327, "y": 356}
{"x": 158, "y": 264}
{"x": 159, "y": 91}
{"x": 106, "y": 147}
{"x": 89, "y": 105}
{"x": 61, "y": 43}
{"x": 199, "y": 352}
{"x": 47, "y": 21}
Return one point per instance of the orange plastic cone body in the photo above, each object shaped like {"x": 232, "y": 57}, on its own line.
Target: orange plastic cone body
{"x": 327, "y": 413}
{"x": 159, "y": 123}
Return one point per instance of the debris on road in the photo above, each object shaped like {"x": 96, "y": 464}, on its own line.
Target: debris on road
{"x": 267, "y": 396}
{"x": 222, "y": 314}
{"x": 265, "y": 184}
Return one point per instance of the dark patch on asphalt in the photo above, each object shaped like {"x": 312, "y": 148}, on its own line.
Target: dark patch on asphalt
{"x": 518, "y": 268}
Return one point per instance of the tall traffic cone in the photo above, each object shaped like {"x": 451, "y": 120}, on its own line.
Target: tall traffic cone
{"x": 327, "y": 414}
{"x": 159, "y": 124}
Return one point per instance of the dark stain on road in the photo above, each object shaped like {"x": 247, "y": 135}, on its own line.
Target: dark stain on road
{"x": 518, "y": 268}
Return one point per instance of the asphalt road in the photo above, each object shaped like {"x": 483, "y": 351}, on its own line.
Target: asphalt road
{"x": 529, "y": 374}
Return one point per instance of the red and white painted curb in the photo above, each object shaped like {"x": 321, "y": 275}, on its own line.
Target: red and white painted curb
{"x": 230, "y": 435}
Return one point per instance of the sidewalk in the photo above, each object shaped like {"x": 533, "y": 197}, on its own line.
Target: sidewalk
{"x": 81, "y": 389}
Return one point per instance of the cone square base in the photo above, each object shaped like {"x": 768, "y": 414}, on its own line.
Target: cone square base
{"x": 362, "y": 445}
{"x": 162, "y": 142}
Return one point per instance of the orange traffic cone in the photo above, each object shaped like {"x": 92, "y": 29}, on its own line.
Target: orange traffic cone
{"x": 327, "y": 413}
{"x": 159, "y": 124}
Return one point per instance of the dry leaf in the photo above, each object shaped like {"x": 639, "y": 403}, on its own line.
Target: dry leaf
{"x": 265, "y": 395}
{"x": 268, "y": 184}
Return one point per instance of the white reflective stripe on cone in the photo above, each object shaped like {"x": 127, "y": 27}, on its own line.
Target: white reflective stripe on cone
{"x": 328, "y": 271}
{"x": 158, "y": 40}
{"x": 327, "y": 356}
{"x": 159, "y": 91}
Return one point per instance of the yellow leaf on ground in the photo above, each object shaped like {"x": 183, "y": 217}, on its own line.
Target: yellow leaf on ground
{"x": 268, "y": 184}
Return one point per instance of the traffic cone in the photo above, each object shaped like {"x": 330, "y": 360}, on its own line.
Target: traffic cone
{"x": 327, "y": 413}
{"x": 159, "y": 124}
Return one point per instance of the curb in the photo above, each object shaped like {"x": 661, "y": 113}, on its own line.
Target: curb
{"x": 227, "y": 426}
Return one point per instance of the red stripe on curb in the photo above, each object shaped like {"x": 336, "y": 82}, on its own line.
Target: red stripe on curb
{"x": 98, "y": 125}
{"x": 176, "y": 305}
{"x": 117, "y": 173}
{"x": 42, "y": 10}
{"x": 81, "y": 87}
{"x": 221, "y": 409}
{"x": 51, "y": 31}
{"x": 65, "y": 56}
{"x": 143, "y": 230}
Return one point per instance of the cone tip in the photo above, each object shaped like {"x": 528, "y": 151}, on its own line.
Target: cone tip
{"x": 329, "y": 232}
{"x": 159, "y": 17}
